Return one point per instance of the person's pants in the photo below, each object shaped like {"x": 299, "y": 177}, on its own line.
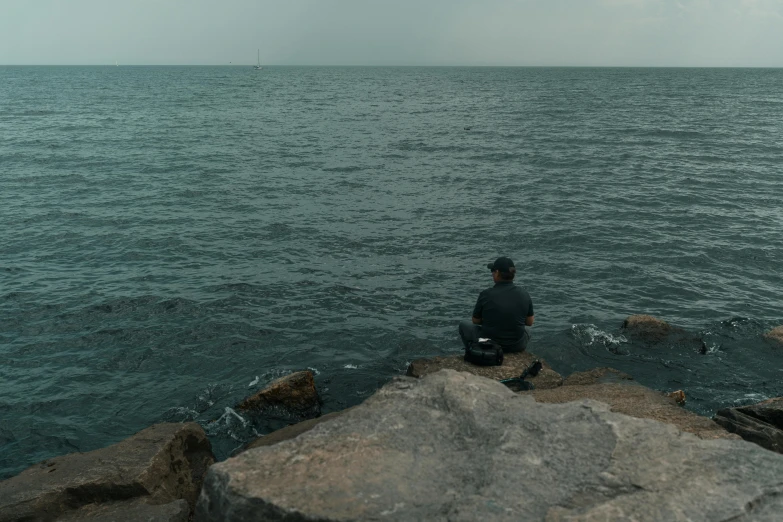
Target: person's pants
{"x": 469, "y": 332}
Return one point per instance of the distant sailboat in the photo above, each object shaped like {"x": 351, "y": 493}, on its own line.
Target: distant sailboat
{"x": 116, "y": 64}
{"x": 257, "y": 67}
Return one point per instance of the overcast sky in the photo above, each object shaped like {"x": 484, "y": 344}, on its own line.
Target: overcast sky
{"x": 394, "y": 32}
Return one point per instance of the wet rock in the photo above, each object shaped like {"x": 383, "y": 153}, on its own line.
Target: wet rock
{"x": 130, "y": 511}
{"x": 647, "y": 327}
{"x": 455, "y": 446}
{"x": 776, "y": 335}
{"x": 638, "y": 401}
{"x": 596, "y": 376}
{"x": 678, "y": 396}
{"x": 513, "y": 366}
{"x": 289, "y": 432}
{"x": 159, "y": 465}
{"x": 760, "y": 423}
{"x": 292, "y": 395}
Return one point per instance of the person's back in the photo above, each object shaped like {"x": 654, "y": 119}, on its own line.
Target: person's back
{"x": 503, "y": 313}
{"x": 504, "y": 309}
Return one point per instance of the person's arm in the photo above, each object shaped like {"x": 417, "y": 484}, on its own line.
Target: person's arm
{"x": 529, "y": 320}
{"x": 477, "y": 319}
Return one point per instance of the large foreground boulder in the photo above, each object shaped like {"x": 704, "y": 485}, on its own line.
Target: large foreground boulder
{"x": 458, "y": 447}
{"x": 293, "y": 395}
{"x": 513, "y": 366}
{"x": 146, "y": 474}
{"x": 761, "y": 423}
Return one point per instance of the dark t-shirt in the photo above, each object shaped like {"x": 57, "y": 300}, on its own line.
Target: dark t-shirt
{"x": 503, "y": 310}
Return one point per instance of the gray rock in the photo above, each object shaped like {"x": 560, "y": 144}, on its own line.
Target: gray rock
{"x": 454, "y": 446}
{"x": 760, "y": 423}
{"x": 159, "y": 465}
{"x": 293, "y": 395}
{"x": 513, "y": 366}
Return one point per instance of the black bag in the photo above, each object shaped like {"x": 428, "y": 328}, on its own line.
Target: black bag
{"x": 484, "y": 353}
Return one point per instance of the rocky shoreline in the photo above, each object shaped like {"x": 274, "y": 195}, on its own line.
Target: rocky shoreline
{"x": 445, "y": 442}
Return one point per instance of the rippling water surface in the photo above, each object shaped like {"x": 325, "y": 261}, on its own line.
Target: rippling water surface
{"x": 172, "y": 234}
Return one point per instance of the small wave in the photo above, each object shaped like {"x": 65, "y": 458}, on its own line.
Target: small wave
{"x": 671, "y": 133}
{"x": 189, "y": 193}
{"x": 301, "y": 164}
{"x": 211, "y": 395}
{"x": 345, "y": 289}
{"x": 351, "y": 367}
{"x": 495, "y": 157}
{"x": 750, "y": 398}
{"x": 420, "y": 146}
{"x": 110, "y": 331}
{"x": 35, "y": 113}
{"x": 236, "y": 287}
{"x": 591, "y": 335}
{"x": 350, "y": 168}
{"x": 767, "y": 101}
{"x": 67, "y": 128}
{"x": 229, "y": 413}
{"x": 181, "y": 414}
{"x": 735, "y": 322}
{"x": 233, "y": 425}
{"x": 15, "y": 295}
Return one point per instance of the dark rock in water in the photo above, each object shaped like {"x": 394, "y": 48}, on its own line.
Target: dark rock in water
{"x": 647, "y": 327}
{"x": 513, "y": 366}
{"x": 294, "y": 394}
{"x": 455, "y": 446}
{"x": 775, "y": 335}
{"x": 760, "y": 423}
{"x": 630, "y": 398}
{"x": 596, "y": 376}
{"x": 126, "y": 481}
{"x": 651, "y": 330}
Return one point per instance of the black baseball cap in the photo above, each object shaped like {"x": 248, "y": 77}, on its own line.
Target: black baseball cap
{"x": 504, "y": 264}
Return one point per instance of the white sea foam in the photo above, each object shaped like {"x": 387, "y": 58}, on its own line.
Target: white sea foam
{"x": 229, "y": 414}
{"x": 590, "y": 334}
{"x": 351, "y": 366}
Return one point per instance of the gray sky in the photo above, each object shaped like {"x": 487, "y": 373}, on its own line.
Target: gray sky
{"x": 394, "y": 32}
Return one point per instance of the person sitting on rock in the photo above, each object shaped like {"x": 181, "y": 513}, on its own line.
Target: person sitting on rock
{"x": 503, "y": 313}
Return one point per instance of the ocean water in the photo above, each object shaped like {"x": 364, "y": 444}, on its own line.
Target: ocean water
{"x": 174, "y": 238}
